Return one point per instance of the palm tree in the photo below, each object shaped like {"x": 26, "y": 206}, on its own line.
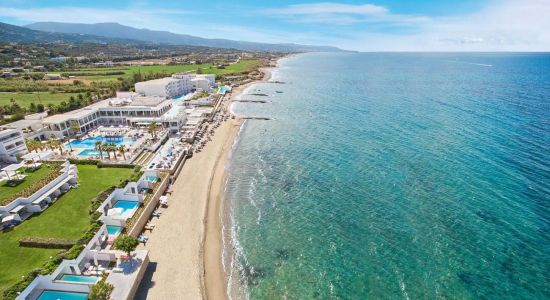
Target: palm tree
{"x": 105, "y": 147}
{"x": 99, "y": 147}
{"x": 153, "y": 129}
{"x": 113, "y": 147}
{"x": 31, "y": 145}
{"x": 59, "y": 145}
{"x": 121, "y": 149}
{"x": 51, "y": 141}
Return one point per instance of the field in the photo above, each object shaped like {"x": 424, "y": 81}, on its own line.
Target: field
{"x": 241, "y": 66}
{"x": 101, "y": 74}
{"x": 25, "y": 99}
{"x": 67, "y": 218}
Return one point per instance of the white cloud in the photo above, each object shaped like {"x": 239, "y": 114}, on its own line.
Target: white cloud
{"x": 328, "y": 8}
{"x": 340, "y": 14}
{"x": 502, "y": 25}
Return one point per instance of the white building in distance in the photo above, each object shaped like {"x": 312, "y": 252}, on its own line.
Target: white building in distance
{"x": 177, "y": 85}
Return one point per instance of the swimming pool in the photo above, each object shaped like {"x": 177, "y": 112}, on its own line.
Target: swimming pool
{"x": 80, "y": 278}
{"x": 224, "y": 89}
{"x": 151, "y": 178}
{"x": 90, "y": 152}
{"x": 89, "y": 143}
{"x": 113, "y": 230}
{"x": 128, "y": 207}
{"x": 57, "y": 295}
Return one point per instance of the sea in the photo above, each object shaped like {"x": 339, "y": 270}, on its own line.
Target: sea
{"x": 393, "y": 176}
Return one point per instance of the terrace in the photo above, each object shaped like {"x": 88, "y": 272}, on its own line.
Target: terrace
{"x": 33, "y": 190}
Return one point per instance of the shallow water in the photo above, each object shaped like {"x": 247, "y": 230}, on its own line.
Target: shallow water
{"x": 387, "y": 176}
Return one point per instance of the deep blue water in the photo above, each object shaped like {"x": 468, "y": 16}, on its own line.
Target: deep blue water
{"x": 395, "y": 176}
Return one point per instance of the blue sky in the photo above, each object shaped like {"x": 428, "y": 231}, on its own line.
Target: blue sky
{"x": 377, "y": 25}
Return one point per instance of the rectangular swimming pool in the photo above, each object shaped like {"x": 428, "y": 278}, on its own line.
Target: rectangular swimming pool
{"x": 79, "y": 278}
{"x": 113, "y": 230}
{"x": 58, "y": 295}
{"x": 128, "y": 207}
{"x": 152, "y": 178}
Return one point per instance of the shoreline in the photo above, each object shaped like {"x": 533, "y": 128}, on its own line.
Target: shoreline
{"x": 186, "y": 244}
{"x": 215, "y": 279}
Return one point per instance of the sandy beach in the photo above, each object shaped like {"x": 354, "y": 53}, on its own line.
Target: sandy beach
{"x": 186, "y": 244}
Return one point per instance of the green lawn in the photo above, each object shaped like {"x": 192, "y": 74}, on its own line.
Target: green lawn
{"x": 25, "y": 99}
{"x": 67, "y": 218}
{"x": 6, "y": 191}
{"x": 242, "y": 66}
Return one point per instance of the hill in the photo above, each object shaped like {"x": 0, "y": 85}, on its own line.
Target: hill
{"x": 117, "y": 31}
{"x": 13, "y": 33}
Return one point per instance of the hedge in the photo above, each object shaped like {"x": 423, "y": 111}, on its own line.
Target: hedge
{"x": 48, "y": 243}
{"x": 83, "y": 161}
{"x": 109, "y": 165}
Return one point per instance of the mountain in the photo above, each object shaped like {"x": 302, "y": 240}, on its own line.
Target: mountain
{"x": 115, "y": 30}
{"x": 13, "y": 33}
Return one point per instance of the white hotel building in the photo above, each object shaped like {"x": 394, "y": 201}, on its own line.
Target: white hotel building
{"x": 177, "y": 85}
{"x": 12, "y": 144}
{"x": 127, "y": 109}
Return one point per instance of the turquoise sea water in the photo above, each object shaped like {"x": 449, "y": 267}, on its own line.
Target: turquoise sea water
{"x": 394, "y": 176}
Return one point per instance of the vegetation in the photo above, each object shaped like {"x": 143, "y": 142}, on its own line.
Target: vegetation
{"x": 65, "y": 219}
{"x": 34, "y": 181}
{"x": 152, "y": 130}
{"x": 44, "y": 242}
{"x": 126, "y": 243}
{"x": 26, "y": 99}
{"x": 101, "y": 291}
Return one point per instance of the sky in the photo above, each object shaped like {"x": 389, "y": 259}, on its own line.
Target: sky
{"x": 372, "y": 25}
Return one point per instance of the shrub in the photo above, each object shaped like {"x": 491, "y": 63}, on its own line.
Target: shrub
{"x": 126, "y": 243}
{"x": 109, "y": 165}
{"x": 101, "y": 291}
{"x": 83, "y": 161}
{"x": 48, "y": 243}
{"x": 73, "y": 252}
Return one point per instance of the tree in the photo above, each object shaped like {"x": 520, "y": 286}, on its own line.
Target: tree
{"x": 122, "y": 150}
{"x": 126, "y": 243}
{"x": 153, "y": 129}
{"x": 101, "y": 291}
{"x": 31, "y": 145}
{"x": 99, "y": 147}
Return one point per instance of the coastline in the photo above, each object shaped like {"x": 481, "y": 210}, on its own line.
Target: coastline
{"x": 215, "y": 279}
{"x": 185, "y": 247}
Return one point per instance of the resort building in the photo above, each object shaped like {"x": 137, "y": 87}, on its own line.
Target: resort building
{"x": 20, "y": 208}
{"x": 127, "y": 109}
{"x": 12, "y": 144}
{"x": 176, "y": 85}
{"x": 164, "y": 87}
{"x": 72, "y": 279}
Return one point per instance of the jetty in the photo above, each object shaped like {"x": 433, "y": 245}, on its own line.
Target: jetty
{"x": 250, "y": 101}
{"x": 255, "y": 118}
